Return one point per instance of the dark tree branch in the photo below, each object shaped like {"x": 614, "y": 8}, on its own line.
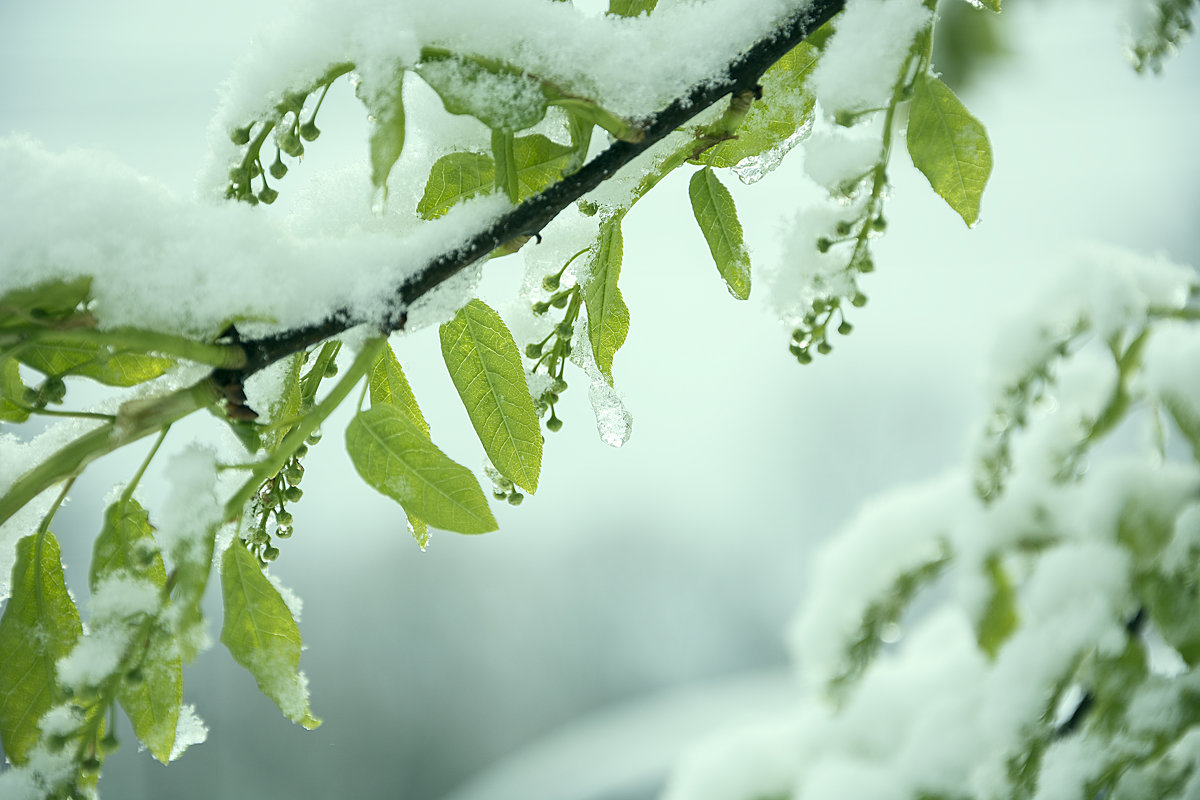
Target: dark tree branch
{"x": 537, "y": 212}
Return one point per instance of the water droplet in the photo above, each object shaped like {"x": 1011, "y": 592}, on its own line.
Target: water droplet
{"x": 755, "y": 168}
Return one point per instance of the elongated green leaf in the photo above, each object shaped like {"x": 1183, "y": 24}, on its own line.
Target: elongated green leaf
{"x": 455, "y": 177}
{"x": 12, "y": 392}
{"x": 126, "y": 546}
{"x": 505, "y": 159}
{"x": 389, "y": 387}
{"x": 713, "y": 207}
{"x": 394, "y": 456}
{"x": 289, "y": 403}
{"x": 786, "y": 107}
{"x": 991, "y": 5}
{"x": 999, "y": 620}
{"x": 631, "y": 8}
{"x": 486, "y": 368}
{"x": 261, "y": 634}
{"x": 387, "y": 127}
{"x": 949, "y": 146}
{"x": 92, "y": 361}
{"x": 40, "y": 625}
{"x": 608, "y": 316}
{"x": 46, "y": 302}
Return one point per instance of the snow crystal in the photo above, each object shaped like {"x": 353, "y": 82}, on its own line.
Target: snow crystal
{"x": 835, "y": 157}
{"x": 120, "y": 596}
{"x": 290, "y": 599}
{"x": 614, "y": 423}
{"x": 189, "y": 730}
{"x": 757, "y": 760}
{"x": 192, "y": 508}
{"x": 862, "y": 61}
{"x": 95, "y": 657}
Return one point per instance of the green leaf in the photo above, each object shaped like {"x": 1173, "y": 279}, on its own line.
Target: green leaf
{"x": 499, "y": 96}
{"x": 949, "y": 146}
{"x": 43, "y": 303}
{"x": 455, "y": 177}
{"x": 539, "y": 162}
{"x": 12, "y": 392}
{"x": 713, "y": 207}
{"x": 126, "y": 546}
{"x": 40, "y": 625}
{"x": 505, "y": 159}
{"x": 193, "y": 565}
{"x": 387, "y": 127}
{"x": 394, "y": 456}
{"x": 113, "y": 368}
{"x": 289, "y": 404}
{"x": 389, "y": 387}
{"x": 999, "y": 620}
{"x": 786, "y": 106}
{"x": 631, "y": 8}
{"x": 485, "y": 365}
{"x": 579, "y": 128}
{"x": 990, "y": 5}
{"x": 608, "y": 316}
{"x": 261, "y": 634}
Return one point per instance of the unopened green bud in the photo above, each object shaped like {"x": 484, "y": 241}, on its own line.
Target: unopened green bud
{"x": 268, "y": 195}
{"x": 515, "y": 499}
{"x": 795, "y": 349}
{"x": 843, "y": 228}
{"x": 283, "y": 518}
{"x": 859, "y": 300}
{"x": 845, "y": 328}
{"x": 293, "y": 494}
{"x": 550, "y": 282}
{"x": 844, "y": 118}
{"x": 559, "y": 386}
{"x": 540, "y": 307}
{"x": 819, "y": 305}
{"x": 824, "y": 348}
{"x": 109, "y": 744}
{"x": 499, "y": 495}
{"x": 270, "y": 553}
{"x": 309, "y": 131}
{"x": 293, "y": 473}
{"x": 560, "y": 301}
{"x": 823, "y": 245}
{"x": 331, "y": 368}
{"x": 239, "y": 176}
{"x": 804, "y": 357}
{"x": 554, "y": 424}
{"x": 241, "y": 136}
{"x": 533, "y": 350}
{"x": 54, "y": 389}
{"x": 278, "y": 169}
{"x": 302, "y": 451}
{"x": 90, "y": 766}
{"x": 879, "y": 224}
{"x": 564, "y": 330}
{"x": 251, "y": 199}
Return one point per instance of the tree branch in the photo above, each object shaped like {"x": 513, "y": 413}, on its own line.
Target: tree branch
{"x": 537, "y": 212}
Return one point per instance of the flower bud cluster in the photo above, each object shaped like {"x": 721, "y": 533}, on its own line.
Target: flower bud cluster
{"x": 814, "y": 331}
{"x": 503, "y": 488}
{"x": 271, "y": 514}
{"x": 551, "y": 353}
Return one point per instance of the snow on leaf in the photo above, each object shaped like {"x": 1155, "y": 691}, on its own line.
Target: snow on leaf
{"x": 387, "y": 127}
{"x": 607, "y": 314}
{"x": 486, "y": 368}
{"x": 261, "y": 634}
{"x": 453, "y": 178}
{"x": 539, "y": 162}
{"x": 393, "y": 455}
{"x": 40, "y": 625}
{"x": 126, "y": 545}
{"x": 49, "y": 300}
{"x": 1000, "y": 618}
{"x": 949, "y": 146}
{"x": 631, "y": 8}
{"x": 717, "y": 216}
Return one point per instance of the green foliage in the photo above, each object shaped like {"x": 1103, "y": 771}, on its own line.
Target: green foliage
{"x": 1172, "y": 22}
{"x": 607, "y": 314}
{"x": 57, "y": 358}
{"x": 40, "y": 625}
{"x": 126, "y": 548}
{"x": 393, "y": 455}
{"x": 12, "y": 392}
{"x": 389, "y": 387}
{"x": 261, "y": 634}
{"x": 387, "y": 128}
{"x": 631, "y": 8}
{"x": 949, "y": 146}
{"x": 455, "y": 177}
{"x": 486, "y": 368}
{"x": 715, "y": 213}
{"x": 43, "y": 304}
{"x": 1000, "y": 618}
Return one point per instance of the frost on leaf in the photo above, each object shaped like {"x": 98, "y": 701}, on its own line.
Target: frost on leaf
{"x": 261, "y": 634}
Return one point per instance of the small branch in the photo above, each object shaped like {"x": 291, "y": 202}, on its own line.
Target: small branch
{"x": 537, "y": 212}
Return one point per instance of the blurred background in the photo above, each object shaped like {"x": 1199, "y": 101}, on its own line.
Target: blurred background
{"x": 638, "y": 601}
